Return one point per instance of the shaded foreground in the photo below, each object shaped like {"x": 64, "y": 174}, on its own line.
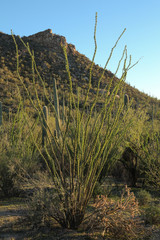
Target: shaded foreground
{"x": 15, "y": 224}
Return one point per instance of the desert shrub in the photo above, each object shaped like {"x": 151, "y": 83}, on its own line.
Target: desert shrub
{"x": 39, "y": 206}
{"x": 41, "y": 200}
{"x": 98, "y": 190}
{"x": 150, "y": 158}
{"x": 7, "y": 179}
{"x": 130, "y": 162}
{"x": 17, "y": 154}
{"x": 118, "y": 219}
{"x": 152, "y": 215}
{"x": 110, "y": 187}
{"x": 7, "y": 176}
{"x": 131, "y": 165}
{"x": 144, "y": 197}
{"x": 12, "y": 173}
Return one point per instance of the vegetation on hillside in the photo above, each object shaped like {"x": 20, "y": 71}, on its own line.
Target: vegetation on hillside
{"x": 51, "y": 64}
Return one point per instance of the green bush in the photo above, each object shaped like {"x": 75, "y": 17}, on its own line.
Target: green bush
{"x": 17, "y": 154}
{"x": 144, "y": 197}
{"x": 39, "y": 207}
{"x": 150, "y": 156}
{"x": 152, "y": 215}
{"x": 7, "y": 179}
{"x": 98, "y": 190}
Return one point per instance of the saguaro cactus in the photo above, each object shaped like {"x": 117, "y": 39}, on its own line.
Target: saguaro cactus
{"x": 56, "y": 104}
{"x": 152, "y": 116}
{"x": 126, "y": 100}
{"x": 44, "y": 126}
{"x": 0, "y": 113}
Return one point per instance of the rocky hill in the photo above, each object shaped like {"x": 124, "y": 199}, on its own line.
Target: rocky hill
{"x": 51, "y": 63}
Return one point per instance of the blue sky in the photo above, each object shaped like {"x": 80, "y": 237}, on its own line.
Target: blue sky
{"x": 75, "y": 19}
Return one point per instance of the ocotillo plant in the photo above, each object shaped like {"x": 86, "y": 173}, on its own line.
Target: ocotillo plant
{"x": 126, "y": 100}
{"x": 44, "y": 126}
{"x": 63, "y": 111}
{"x": 56, "y": 105}
{"x": 86, "y": 144}
{"x": 0, "y": 113}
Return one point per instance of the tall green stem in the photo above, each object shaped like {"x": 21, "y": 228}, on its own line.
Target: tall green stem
{"x": 56, "y": 104}
{"x": 0, "y": 113}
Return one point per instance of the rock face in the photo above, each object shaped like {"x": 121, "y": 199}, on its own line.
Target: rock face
{"x": 50, "y": 40}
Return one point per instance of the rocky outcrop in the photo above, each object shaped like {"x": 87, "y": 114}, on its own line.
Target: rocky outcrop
{"x": 50, "y": 40}
{"x": 47, "y": 38}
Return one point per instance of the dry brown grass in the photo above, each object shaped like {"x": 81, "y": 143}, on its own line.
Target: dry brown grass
{"x": 118, "y": 219}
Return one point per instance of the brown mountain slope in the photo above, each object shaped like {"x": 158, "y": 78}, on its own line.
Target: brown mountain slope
{"x": 51, "y": 63}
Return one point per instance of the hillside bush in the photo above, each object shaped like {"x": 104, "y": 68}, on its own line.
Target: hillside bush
{"x": 40, "y": 203}
{"x": 152, "y": 215}
{"x": 7, "y": 179}
{"x": 139, "y": 163}
{"x": 17, "y": 154}
{"x": 150, "y": 158}
{"x": 144, "y": 197}
{"x": 130, "y": 165}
